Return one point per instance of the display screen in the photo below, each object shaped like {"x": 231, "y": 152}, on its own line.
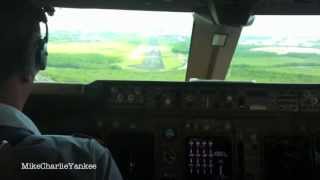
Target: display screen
{"x": 287, "y": 158}
{"x": 134, "y": 154}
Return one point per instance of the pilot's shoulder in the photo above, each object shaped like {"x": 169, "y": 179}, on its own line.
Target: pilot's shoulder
{"x": 71, "y": 146}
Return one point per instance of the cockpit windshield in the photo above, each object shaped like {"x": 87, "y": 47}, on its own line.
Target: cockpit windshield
{"x": 90, "y": 44}
{"x": 278, "y": 49}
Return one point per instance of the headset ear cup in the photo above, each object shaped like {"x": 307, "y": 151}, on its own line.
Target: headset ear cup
{"x": 41, "y": 55}
{"x": 44, "y": 55}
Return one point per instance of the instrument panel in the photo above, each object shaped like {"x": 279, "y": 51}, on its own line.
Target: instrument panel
{"x": 194, "y": 130}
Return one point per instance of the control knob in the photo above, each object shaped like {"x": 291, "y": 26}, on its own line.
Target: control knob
{"x": 169, "y": 133}
{"x": 311, "y": 99}
{"x": 170, "y": 157}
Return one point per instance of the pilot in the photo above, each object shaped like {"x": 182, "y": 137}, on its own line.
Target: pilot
{"x": 23, "y": 55}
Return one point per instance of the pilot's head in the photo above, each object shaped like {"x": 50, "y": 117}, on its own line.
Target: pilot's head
{"x": 19, "y": 42}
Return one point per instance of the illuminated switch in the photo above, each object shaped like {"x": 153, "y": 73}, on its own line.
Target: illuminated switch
{"x": 197, "y": 143}
{"x": 204, "y": 152}
{"x": 191, "y": 170}
{"x": 204, "y": 172}
{"x": 119, "y": 98}
{"x": 204, "y": 143}
{"x": 170, "y": 133}
{"x": 220, "y": 154}
{"x": 206, "y": 127}
{"x": 191, "y": 161}
{"x": 204, "y": 155}
{"x": 198, "y": 171}
{"x": 168, "y": 101}
{"x": 188, "y": 125}
{"x": 221, "y": 174}
{"x": 197, "y": 151}
{"x": 210, "y": 153}
{"x": 131, "y": 98}
{"x": 137, "y": 91}
{"x": 207, "y": 102}
{"x": 114, "y": 90}
{"x": 210, "y": 144}
{"x": 198, "y": 161}
{"x": 211, "y": 169}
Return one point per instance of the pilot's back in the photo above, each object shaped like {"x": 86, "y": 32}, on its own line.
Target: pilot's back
{"x": 44, "y": 156}
{"x": 85, "y": 158}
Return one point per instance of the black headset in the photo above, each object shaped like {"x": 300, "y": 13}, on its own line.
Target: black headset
{"x": 42, "y": 51}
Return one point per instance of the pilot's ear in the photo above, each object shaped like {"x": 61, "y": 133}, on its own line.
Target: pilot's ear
{"x": 27, "y": 77}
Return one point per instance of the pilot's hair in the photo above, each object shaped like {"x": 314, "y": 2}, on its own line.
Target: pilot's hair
{"x": 19, "y": 35}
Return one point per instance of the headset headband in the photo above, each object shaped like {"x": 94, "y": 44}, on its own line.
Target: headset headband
{"x": 44, "y": 19}
{"x": 42, "y": 53}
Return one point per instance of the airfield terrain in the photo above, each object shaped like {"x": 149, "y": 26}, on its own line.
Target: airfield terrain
{"x": 74, "y": 59}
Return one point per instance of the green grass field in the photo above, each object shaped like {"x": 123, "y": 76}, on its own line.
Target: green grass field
{"x": 117, "y": 59}
{"x": 274, "y": 68}
{"x": 85, "y": 62}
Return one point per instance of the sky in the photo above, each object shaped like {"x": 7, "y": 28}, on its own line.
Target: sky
{"x": 93, "y": 20}
{"x": 285, "y": 26}
{"x": 154, "y": 23}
